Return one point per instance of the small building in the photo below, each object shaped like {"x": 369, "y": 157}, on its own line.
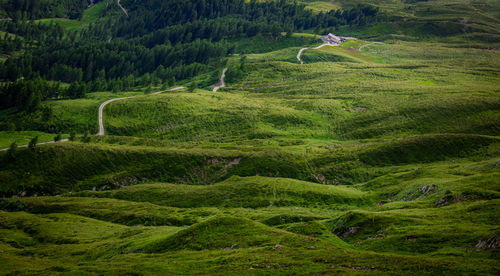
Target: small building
{"x": 333, "y": 39}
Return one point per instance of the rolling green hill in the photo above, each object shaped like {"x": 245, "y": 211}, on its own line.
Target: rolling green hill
{"x": 377, "y": 156}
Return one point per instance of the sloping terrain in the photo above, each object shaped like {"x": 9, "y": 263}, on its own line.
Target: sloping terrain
{"x": 378, "y": 156}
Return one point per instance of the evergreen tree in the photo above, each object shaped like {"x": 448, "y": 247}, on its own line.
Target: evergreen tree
{"x": 148, "y": 90}
{"x": 32, "y": 143}
{"x": 86, "y": 137}
{"x": 243, "y": 59}
{"x": 46, "y": 113}
{"x": 171, "y": 81}
{"x": 192, "y": 86}
{"x": 11, "y": 152}
{"x": 11, "y": 126}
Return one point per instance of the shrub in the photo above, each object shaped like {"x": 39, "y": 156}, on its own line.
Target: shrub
{"x": 11, "y": 152}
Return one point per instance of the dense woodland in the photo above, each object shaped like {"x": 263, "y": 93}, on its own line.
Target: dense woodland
{"x": 158, "y": 42}
{"x": 36, "y": 9}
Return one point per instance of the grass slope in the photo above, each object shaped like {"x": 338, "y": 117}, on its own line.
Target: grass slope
{"x": 376, "y": 158}
{"x": 249, "y": 192}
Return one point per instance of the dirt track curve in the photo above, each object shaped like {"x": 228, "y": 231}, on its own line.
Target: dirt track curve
{"x": 316, "y": 48}
{"x": 222, "y": 82}
{"x": 121, "y": 7}
{"x": 44, "y": 143}
{"x": 370, "y": 44}
{"x": 101, "y": 112}
{"x": 103, "y": 105}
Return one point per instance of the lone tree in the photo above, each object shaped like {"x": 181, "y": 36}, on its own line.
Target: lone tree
{"x": 317, "y": 30}
{"x": 243, "y": 59}
{"x": 148, "y": 90}
{"x": 86, "y": 137}
{"x": 32, "y": 143}
{"x": 11, "y": 152}
{"x": 192, "y": 86}
{"x": 46, "y": 113}
{"x": 171, "y": 81}
{"x": 11, "y": 126}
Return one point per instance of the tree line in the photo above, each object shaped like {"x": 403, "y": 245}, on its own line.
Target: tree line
{"x": 159, "y": 42}
{"x": 36, "y": 9}
{"x": 27, "y": 95}
{"x": 153, "y": 15}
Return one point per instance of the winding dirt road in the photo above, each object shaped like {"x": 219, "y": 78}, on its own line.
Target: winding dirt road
{"x": 316, "y": 48}
{"x": 222, "y": 82}
{"x": 103, "y": 105}
{"x": 121, "y": 7}
{"x": 101, "y": 112}
{"x": 43, "y": 143}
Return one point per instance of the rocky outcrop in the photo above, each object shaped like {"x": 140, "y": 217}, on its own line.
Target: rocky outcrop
{"x": 490, "y": 243}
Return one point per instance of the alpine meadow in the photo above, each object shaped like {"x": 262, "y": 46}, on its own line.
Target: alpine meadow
{"x": 249, "y": 137}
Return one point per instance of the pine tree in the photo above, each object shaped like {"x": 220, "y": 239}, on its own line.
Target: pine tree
{"x": 11, "y": 152}
{"x": 192, "y": 86}
{"x": 32, "y": 143}
{"x": 46, "y": 113}
{"x": 86, "y": 137}
{"x": 148, "y": 90}
{"x": 243, "y": 59}
{"x": 11, "y": 126}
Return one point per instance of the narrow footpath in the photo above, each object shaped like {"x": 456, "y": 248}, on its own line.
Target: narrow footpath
{"x": 121, "y": 7}
{"x": 38, "y": 144}
{"x": 222, "y": 82}
{"x": 316, "y": 48}
{"x": 103, "y": 105}
{"x": 366, "y": 45}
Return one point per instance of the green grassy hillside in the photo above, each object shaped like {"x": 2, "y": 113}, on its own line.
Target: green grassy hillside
{"x": 461, "y": 21}
{"x": 380, "y": 156}
{"x": 435, "y": 89}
